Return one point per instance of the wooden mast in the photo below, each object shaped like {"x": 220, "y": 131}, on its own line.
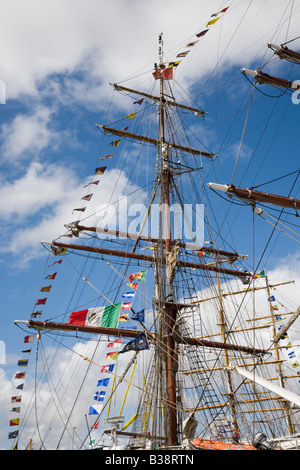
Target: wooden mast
{"x": 169, "y": 307}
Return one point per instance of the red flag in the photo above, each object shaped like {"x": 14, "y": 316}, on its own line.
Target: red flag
{"x": 51, "y": 276}
{"x": 117, "y": 341}
{"x": 93, "y": 182}
{"x": 41, "y": 301}
{"x": 59, "y": 262}
{"x": 88, "y": 197}
{"x": 20, "y": 375}
{"x": 16, "y": 399}
{"x": 165, "y": 74}
{"x": 29, "y": 339}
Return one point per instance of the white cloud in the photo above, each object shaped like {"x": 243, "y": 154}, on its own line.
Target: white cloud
{"x": 110, "y": 41}
{"x": 27, "y": 135}
{"x": 36, "y": 206}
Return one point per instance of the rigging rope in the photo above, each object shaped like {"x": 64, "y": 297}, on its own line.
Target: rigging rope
{"x": 242, "y": 138}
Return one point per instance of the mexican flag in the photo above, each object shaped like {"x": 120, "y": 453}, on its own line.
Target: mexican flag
{"x": 99, "y": 316}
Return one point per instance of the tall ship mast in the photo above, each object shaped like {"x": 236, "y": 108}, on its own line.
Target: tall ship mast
{"x": 194, "y": 356}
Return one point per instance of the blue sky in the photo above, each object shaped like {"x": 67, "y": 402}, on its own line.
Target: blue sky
{"x": 57, "y": 61}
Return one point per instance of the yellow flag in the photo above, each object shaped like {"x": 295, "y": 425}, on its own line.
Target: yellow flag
{"x": 213, "y": 21}
{"x": 14, "y": 422}
{"x": 130, "y": 116}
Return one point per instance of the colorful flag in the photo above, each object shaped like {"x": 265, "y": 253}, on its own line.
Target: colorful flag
{"x": 23, "y": 363}
{"x": 103, "y": 382}
{"x": 16, "y": 410}
{"x": 174, "y": 64}
{"x": 20, "y": 387}
{"x": 183, "y": 54}
{"x": 212, "y": 21}
{"x": 114, "y": 343}
{"x": 26, "y": 350}
{"x": 128, "y": 295}
{"x": 20, "y": 375}
{"x": 222, "y": 11}
{"x": 95, "y": 426}
{"x": 115, "y": 143}
{"x": 14, "y": 422}
{"x": 13, "y": 435}
{"x": 137, "y": 276}
{"x": 202, "y": 33}
{"x": 137, "y": 344}
{"x": 59, "y": 262}
{"x": 274, "y": 307}
{"x": 95, "y": 409}
{"x": 123, "y": 317}
{"x": 126, "y": 305}
{"x": 17, "y": 399}
{"x": 192, "y": 44}
{"x": 36, "y": 314}
{"x": 130, "y": 116}
{"x": 51, "y": 276}
{"x": 100, "y": 170}
{"x": 99, "y": 396}
{"x": 29, "y": 339}
{"x": 88, "y": 197}
{"x": 271, "y": 299}
{"x": 112, "y": 355}
{"x": 46, "y": 289}
{"x": 167, "y": 73}
{"x": 125, "y": 327}
{"x": 110, "y": 155}
{"x": 139, "y": 101}
{"x": 99, "y": 316}
{"x": 107, "y": 368}
{"x": 79, "y": 209}
{"x": 133, "y": 285}
{"x": 41, "y": 301}
{"x": 93, "y": 182}
{"x": 139, "y": 316}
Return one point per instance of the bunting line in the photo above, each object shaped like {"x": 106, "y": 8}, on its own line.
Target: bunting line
{"x": 167, "y": 72}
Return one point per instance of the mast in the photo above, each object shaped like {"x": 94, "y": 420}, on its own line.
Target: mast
{"x": 170, "y": 308}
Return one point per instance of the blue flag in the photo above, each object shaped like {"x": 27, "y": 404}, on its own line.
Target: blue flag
{"x": 99, "y": 396}
{"x": 103, "y": 382}
{"x": 137, "y": 344}
{"x": 139, "y": 316}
